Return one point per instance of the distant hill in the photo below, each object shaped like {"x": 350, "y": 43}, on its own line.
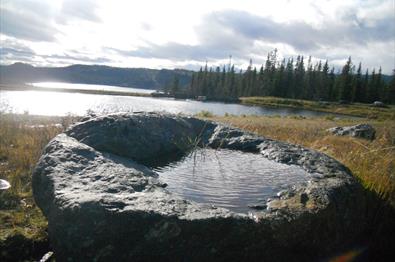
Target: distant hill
{"x": 20, "y": 73}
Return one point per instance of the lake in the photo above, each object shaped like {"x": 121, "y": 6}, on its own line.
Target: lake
{"x": 61, "y": 85}
{"x": 60, "y": 103}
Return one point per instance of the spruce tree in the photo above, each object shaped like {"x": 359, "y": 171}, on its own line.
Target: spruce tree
{"x": 365, "y": 87}
{"x": 391, "y": 89}
{"x": 332, "y": 85}
{"x": 380, "y": 85}
{"x": 358, "y": 93}
{"x": 307, "y": 81}
{"x": 372, "y": 94}
{"x": 324, "y": 92}
{"x": 345, "y": 81}
{"x": 299, "y": 78}
{"x": 278, "y": 81}
{"x": 288, "y": 83}
{"x": 286, "y": 79}
{"x": 261, "y": 82}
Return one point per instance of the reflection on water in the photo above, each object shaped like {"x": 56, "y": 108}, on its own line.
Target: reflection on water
{"x": 229, "y": 179}
{"x": 55, "y": 103}
{"x": 59, "y": 85}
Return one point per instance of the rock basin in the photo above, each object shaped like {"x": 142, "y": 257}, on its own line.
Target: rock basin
{"x": 104, "y": 202}
{"x": 239, "y": 181}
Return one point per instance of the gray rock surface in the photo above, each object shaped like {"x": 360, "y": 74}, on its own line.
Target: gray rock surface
{"x": 103, "y": 203}
{"x": 365, "y": 131}
{"x": 141, "y": 137}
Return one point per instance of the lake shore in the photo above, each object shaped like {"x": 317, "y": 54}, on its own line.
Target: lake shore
{"x": 352, "y": 109}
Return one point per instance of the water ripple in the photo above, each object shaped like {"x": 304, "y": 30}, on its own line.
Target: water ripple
{"x": 230, "y": 179}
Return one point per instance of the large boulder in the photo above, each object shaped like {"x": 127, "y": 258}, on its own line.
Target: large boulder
{"x": 365, "y": 131}
{"x": 103, "y": 203}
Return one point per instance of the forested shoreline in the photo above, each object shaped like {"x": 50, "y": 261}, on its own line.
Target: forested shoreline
{"x": 291, "y": 78}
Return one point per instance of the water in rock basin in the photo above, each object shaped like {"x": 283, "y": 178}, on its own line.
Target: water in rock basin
{"x": 231, "y": 179}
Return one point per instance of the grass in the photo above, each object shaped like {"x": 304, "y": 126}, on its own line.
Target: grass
{"x": 204, "y": 113}
{"x": 373, "y": 162}
{"x": 355, "y": 109}
{"x": 22, "y": 139}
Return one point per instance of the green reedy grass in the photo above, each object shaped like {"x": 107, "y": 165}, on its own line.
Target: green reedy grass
{"x": 204, "y": 113}
{"x": 355, "y": 109}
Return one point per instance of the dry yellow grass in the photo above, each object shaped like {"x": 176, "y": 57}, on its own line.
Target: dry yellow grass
{"x": 373, "y": 162}
{"x": 22, "y": 139}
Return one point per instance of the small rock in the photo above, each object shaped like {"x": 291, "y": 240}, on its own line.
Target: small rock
{"x": 47, "y": 257}
{"x": 378, "y": 104}
{"x": 365, "y": 131}
{"x": 4, "y": 184}
{"x": 282, "y": 193}
{"x": 285, "y": 194}
{"x": 257, "y": 206}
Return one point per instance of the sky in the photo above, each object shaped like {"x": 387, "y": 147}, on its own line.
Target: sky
{"x": 187, "y": 34}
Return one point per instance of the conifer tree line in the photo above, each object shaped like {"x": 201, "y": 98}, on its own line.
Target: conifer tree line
{"x": 297, "y": 79}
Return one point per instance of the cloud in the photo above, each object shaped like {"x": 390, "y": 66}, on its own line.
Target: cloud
{"x": 77, "y": 9}
{"x": 37, "y": 20}
{"x": 6, "y": 51}
{"x": 15, "y": 54}
{"x": 12, "y": 50}
{"x": 26, "y": 24}
{"x": 76, "y": 58}
{"x": 139, "y": 35}
{"x": 244, "y": 35}
{"x": 348, "y": 30}
{"x": 146, "y": 26}
{"x": 176, "y": 51}
{"x": 215, "y": 42}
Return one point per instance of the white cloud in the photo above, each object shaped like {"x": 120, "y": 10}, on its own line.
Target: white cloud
{"x": 77, "y": 9}
{"x": 178, "y": 33}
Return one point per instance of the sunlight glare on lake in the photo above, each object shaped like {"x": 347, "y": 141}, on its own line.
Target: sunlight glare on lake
{"x": 73, "y": 86}
{"x": 47, "y": 103}
{"x": 50, "y": 84}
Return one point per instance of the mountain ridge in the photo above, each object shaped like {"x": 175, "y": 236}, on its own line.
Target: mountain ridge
{"x": 21, "y": 73}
